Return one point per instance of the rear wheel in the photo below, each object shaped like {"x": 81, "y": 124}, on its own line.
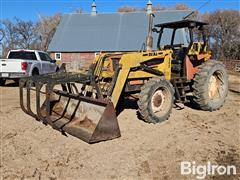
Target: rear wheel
{"x": 210, "y": 85}
{"x": 156, "y": 100}
{"x": 2, "y": 82}
{"x": 35, "y": 72}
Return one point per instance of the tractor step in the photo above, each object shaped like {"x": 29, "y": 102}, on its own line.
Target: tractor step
{"x": 181, "y": 85}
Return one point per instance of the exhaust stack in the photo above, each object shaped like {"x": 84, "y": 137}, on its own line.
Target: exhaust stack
{"x": 149, "y": 40}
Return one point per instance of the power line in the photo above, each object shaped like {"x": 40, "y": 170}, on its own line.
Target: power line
{"x": 204, "y": 4}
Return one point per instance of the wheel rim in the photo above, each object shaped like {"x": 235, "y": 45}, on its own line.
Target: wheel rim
{"x": 160, "y": 101}
{"x": 216, "y": 85}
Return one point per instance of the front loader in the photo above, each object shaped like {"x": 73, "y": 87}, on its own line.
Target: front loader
{"x": 84, "y": 105}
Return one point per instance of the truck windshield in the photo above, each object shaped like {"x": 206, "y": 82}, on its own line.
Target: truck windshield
{"x": 22, "y": 55}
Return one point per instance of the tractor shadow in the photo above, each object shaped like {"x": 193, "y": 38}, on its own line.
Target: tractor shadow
{"x": 132, "y": 104}
{"x": 191, "y": 103}
{"x": 127, "y": 103}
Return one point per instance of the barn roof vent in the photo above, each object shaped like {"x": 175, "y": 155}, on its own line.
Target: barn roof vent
{"x": 149, "y": 7}
{"x": 94, "y": 8}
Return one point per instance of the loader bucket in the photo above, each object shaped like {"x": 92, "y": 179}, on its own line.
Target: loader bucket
{"x": 65, "y": 108}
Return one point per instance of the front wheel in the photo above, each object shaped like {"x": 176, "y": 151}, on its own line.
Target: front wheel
{"x": 2, "y": 82}
{"x": 156, "y": 100}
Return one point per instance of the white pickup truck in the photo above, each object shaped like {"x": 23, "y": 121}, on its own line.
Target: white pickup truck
{"x": 23, "y": 63}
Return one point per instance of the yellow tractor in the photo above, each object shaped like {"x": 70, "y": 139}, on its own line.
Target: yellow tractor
{"x": 84, "y": 105}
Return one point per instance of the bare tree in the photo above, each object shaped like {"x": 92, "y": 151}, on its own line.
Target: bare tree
{"x": 224, "y": 31}
{"x": 9, "y": 40}
{"x": 46, "y": 28}
{"x": 79, "y": 11}
{"x": 128, "y": 9}
{"x": 26, "y": 36}
{"x": 135, "y": 9}
{"x": 156, "y": 8}
{"x": 181, "y": 7}
{"x": 18, "y": 34}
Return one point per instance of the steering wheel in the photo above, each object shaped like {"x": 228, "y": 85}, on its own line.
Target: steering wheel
{"x": 173, "y": 46}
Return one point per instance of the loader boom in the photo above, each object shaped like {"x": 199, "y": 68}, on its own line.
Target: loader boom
{"x": 132, "y": 66}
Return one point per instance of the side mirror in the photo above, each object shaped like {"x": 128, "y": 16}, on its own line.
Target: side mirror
{"x": 53, "y": 61}
{"x": 155, "y": 30}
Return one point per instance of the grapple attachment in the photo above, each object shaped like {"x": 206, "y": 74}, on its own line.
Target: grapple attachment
{"x": 68, "y": 108}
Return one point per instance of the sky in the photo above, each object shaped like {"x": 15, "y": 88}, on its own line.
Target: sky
{"x": 33, "y": 9}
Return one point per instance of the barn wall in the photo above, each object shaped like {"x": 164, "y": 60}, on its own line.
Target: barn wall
{"x": 76, "y": 60}
{"x": 82, "y": 60}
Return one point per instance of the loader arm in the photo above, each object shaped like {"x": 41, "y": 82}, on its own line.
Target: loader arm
{"x": 134, "y": 66}
{"x": 121, "y": 80}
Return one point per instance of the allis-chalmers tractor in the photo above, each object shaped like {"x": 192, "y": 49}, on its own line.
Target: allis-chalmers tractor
{"x": 84, "y": 105}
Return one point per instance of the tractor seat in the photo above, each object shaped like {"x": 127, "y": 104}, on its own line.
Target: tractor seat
{"x": 179, "y": 54}
{"x": 178, "y": 59}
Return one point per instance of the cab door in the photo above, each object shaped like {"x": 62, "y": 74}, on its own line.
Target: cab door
{"x": 48, "y": 65}
{"x": 52, "y": 63}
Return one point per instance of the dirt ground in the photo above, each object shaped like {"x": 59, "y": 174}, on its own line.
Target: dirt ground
{"x": 31, "y": 150}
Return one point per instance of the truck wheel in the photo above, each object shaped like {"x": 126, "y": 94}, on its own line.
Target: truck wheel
{"x": 210, "y": 86}
{"x": 35, "y": 72}
{"x": 156, "y": 100}
{"x": 2, "y": 82}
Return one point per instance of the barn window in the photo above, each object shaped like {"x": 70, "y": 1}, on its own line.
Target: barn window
{"x": 58, "y": 56}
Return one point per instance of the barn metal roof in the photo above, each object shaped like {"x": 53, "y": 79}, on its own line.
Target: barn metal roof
{"x": 108, "y": 32}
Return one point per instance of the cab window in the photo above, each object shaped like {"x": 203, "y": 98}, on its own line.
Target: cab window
{"x": 44, "y": 56}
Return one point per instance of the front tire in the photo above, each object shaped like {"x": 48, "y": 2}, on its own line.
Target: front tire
{"x": 156, "y": 100}
{"x": 2, "y": 82}
{"x": 210, "y": 85}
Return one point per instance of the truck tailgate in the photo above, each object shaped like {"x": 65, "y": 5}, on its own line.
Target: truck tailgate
{"x": 10, "y": 65}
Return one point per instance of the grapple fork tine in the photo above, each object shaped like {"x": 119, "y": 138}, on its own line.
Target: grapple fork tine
{"x": 26, "y": 83}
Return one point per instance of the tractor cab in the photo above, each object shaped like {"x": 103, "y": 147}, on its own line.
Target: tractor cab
{"x": 194, "y": 49}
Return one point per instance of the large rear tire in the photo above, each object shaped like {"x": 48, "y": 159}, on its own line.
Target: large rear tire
{"x": 2, "y": 82}
{"x": 156, "y": 100}
{"x": 210, "y": 86}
